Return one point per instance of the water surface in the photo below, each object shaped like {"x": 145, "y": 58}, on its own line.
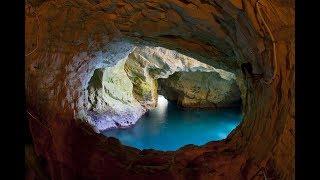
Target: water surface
{"x": 169, "y": 127}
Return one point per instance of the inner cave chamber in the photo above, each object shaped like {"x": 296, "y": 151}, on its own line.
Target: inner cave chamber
{"x": 97, "y": 65}
{"x": 121, "y": 94}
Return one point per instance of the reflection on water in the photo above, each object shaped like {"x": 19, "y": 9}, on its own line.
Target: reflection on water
{"x": 169, "y": 127}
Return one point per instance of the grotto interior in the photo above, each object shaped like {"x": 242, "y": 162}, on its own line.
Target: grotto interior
{"x": 95, "y": 65}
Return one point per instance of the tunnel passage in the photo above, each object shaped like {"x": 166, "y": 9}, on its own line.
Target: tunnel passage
{"x": 125, "y": 101}
{"x": 119, "y": 95}
{"x": 74, "y": 38}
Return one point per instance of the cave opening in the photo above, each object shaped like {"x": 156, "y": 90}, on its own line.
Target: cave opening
{"x": 155, "y": 97}
{"x": 68, "y": 42}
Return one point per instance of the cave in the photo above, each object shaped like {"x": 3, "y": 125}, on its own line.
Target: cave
{"x": 92, "y": 66}
{"x": 155, "y": 96}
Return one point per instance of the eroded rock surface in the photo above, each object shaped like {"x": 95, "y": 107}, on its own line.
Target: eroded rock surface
{"x": 200, "y": 90}
{"x": 147, "y": 64}
{"x": 120, "y": 94}
{"x": 111, "y": 102}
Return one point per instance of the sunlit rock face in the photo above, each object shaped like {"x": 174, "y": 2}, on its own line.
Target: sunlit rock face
{"x": 160, "y": 62}
{"x": 146, "y": 64}
{"x": 118, "y": 95}
{"x": 111, "y": 102}
{"x": 200, "y": 89}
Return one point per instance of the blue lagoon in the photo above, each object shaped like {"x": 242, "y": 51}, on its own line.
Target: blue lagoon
{"x": 169, "y": 127}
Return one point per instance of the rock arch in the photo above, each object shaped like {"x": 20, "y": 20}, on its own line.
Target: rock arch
{"x": 67, "y": 40}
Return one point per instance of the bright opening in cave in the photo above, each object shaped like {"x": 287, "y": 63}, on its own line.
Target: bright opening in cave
{"x": 196, "y": 98}
{"x": 162, "y": 104}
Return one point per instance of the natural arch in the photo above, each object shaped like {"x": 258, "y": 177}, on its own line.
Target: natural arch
{"x": 67, "y": 40}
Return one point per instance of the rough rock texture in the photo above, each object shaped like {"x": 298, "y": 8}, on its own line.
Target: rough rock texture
{"x": 146, "y": 64}
{"x": 200, "y": 90}
{"x": 112, "y": 96}
{"x": 111, "y": 102}
{"x": 67, "y": 40}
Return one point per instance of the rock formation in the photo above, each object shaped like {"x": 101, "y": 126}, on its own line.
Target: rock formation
{"x": 200, "y": 89}
{"x": 119, "y": 95}
{"x": 147, "y": 64}
{"x": 67, "y": 40}
{"x": 111, "y": 102}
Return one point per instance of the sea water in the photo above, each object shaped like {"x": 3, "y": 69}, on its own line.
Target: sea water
{"x": 169, "y": 127}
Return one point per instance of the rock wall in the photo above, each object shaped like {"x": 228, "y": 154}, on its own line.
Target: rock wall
{"x": 120, "y": 94}
{"x": 200, "y": 90}
{"x": 147, "y": 64}
{"x": 111, "y": 102}
{"x": 67, "y": 40}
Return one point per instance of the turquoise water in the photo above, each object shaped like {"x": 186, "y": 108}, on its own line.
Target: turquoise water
{"x": 169, "y": 127}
